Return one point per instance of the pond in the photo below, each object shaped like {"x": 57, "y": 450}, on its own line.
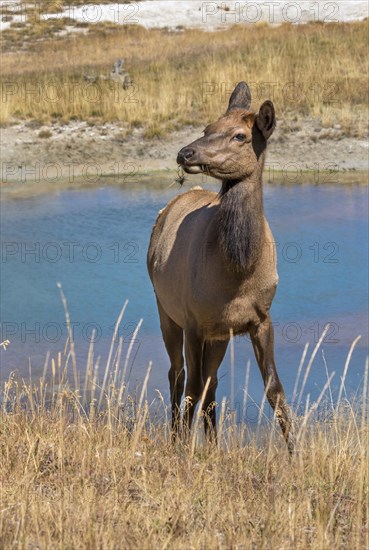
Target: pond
{"x": 94, "y": 243}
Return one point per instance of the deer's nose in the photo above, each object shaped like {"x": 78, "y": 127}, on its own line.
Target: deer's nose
{"x": 185, "y": 154}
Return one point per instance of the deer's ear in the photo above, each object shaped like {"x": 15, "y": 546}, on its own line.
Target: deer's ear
{"x": 240, "y": 98}
{"x": 265, "y": 120}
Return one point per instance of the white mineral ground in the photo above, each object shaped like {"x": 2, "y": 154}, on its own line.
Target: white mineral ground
{"x": 205, "y": 15}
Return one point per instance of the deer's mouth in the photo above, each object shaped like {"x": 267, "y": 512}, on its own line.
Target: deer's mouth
{"x": 194, "y": 168}
{"x": 188, "y": 158}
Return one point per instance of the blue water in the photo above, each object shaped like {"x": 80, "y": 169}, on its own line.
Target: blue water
{"x": 94, "y": 243}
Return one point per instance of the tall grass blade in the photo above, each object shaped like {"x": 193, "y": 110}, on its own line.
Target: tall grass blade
{"x": 107, "y": 368}
{"x": 307, "y": 372}
{"x": 343, "y": 378}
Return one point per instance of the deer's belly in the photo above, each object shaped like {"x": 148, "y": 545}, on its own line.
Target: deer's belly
{"x": 219, "y": 321}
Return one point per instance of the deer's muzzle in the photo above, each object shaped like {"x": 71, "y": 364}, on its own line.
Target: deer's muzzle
{"x": 185, "y": 155}
{"x": 187, "y": 159}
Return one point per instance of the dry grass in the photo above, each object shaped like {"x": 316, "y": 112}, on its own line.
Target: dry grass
{"x": 83, "y": 471}
{"x": 310, "y": 70}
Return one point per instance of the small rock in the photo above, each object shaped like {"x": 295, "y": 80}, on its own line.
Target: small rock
{"x": 45, "y": 133}
{"x": 34, "y": 124}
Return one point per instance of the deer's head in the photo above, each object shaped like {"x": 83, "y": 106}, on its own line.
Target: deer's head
{"x": 232, "y": 147}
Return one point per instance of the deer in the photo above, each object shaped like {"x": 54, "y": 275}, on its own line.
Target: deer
{"x": 213, "y": 265}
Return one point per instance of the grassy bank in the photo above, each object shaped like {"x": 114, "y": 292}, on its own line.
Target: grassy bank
{"x": 184, "y": 78}
{"x": 72, "y": 478}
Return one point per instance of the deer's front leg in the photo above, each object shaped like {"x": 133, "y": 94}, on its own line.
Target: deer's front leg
{"x": 194, "y": 346}
{"x": 262, "y": 337}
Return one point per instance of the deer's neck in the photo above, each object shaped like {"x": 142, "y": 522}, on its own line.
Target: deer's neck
{"x": 241, "y": 222}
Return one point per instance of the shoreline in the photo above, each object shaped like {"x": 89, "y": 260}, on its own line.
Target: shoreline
{"x": 38, "y": 159}
{"x": 163, "y": 179}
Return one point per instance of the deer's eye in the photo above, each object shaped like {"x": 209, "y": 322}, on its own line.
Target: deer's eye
{"x": 239, "y": 137}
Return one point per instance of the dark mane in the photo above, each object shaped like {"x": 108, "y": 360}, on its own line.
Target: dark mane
{"x": 241, "y": 221}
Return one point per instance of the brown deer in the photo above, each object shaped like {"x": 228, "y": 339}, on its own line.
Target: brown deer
{"x": 212, "y": 262}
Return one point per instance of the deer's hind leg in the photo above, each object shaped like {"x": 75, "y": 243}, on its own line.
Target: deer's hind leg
{"x": 262, "y": 337}
{"x": 213, "y": 355}
{"x": 173, "y": 340}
